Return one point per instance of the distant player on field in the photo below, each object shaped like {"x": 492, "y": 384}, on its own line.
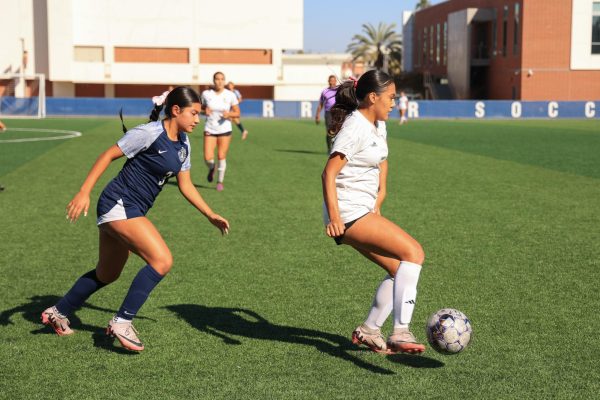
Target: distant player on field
{"x": 326, "y": 101}
{"x": 402, "y": 107}
{"x": 155, "y": 151}
{"x": 220, "y": 106}
{"x": 236, "y": 120}
{"x": 354, "y": 187}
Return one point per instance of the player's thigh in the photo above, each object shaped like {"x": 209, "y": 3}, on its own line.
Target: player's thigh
{"x": 379, "y": 235}
{"x": 390, "y": 264}
{"x": 223, "y": 142}
{"x": 210, "y": 143}
{"x": 112, "y": 256}
{"x": 143, "y": 238}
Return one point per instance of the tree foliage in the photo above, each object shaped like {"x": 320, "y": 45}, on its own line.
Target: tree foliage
{"x": 379, "y": 47}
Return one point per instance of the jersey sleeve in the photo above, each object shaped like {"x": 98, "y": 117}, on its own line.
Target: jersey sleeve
{"x": 138, "y": 139}
{"x": 203, "y": 98}
{"x": 347, "y": 142}
{"x": 187, "y": 163}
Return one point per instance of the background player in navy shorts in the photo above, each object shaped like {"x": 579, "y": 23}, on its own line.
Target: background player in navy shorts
{"x": 155, "y": 152}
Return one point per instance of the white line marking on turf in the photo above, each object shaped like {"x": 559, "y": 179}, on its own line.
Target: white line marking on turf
{"x": 67, "y": 135}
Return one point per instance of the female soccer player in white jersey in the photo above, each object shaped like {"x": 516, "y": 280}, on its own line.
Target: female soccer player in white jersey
{"x": 220, "y": 106}
{"x": 354, "y": 187}
{"x": 155, "y": 152}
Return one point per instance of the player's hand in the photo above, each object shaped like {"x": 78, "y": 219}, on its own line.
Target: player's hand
{"x": 79, "y": 204}
{"x": 377, "y": 210}
{"x": 220, "y": 223}
{"x": 225, "y": 115}
{"x": 317, "y": 120}
{"x": 335, "y": 228}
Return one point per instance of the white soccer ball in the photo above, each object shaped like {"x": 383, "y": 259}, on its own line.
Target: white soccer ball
{"x": 449, "y": 331}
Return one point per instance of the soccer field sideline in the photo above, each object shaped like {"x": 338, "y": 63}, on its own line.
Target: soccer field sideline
{"x": 509, "y": 226}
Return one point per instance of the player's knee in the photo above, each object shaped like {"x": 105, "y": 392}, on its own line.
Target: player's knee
{"x": 163, "y": 264}
{"x": 415, "y": 254}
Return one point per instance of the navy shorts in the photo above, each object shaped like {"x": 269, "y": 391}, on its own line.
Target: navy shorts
{"x": 347, "y": 225}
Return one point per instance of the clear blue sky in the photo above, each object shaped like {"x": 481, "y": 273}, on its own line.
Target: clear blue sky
{"x": 330, "y": 24}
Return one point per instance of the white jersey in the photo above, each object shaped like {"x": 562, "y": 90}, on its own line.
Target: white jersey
{"x": 218, "y": 104}
{"x": 357, "y": 184}
{"x": 403, "y": 103}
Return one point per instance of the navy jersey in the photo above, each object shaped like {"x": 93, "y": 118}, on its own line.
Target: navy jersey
{"x": 152, "y": 159}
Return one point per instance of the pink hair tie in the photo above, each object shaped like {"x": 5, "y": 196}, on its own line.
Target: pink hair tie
{"x": 353, "y": 79}
{"x": 160, "y": 100}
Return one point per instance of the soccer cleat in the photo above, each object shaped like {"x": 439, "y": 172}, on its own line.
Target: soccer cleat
{"x": 126, "y": 333}
{"x": 244, "y": 134}
{"x": 211, "y": 174}
{"x": 220, "y": 187}
{"x": 51, "y": 317}
{"x": 403, "y": 341}
{"x": 372, "y": 338}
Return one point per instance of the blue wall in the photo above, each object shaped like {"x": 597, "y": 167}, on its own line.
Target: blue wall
{"x": 298, "y": 109}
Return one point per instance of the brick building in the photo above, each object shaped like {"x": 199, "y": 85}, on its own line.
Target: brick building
{"x": 508, "y": 49}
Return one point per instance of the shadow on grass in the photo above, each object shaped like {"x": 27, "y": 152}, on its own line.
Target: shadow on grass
{"x": 32, "y": 311}
{"x": 323, "y": 153}
{"x": 230, "y": 324}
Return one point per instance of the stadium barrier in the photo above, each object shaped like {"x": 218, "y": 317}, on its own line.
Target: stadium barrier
{"x": 484, "y": 109}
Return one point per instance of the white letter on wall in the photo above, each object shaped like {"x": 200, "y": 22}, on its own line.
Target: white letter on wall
{"x": 480, "y": 109}
{"x": 413, "y": 109}
{"x": 268, "y": 109}
{"x": 516, "y": 109}
{"x": 306, "y": 109}
{"x": 553, "y": 109}
{"x": 590, "y": 109}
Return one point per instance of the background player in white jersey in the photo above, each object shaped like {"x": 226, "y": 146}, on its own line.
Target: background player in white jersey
{"x": 354, "y": 187}
{"x": 236, "y": 120}
{"x": 402, "y": 107}
{"x": 220, "y": 106}
{"x": 155, "y": 151}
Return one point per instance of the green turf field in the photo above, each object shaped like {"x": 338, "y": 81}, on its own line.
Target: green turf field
{"x": 508, "y": 213}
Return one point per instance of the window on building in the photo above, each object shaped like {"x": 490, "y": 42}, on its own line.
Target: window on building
{"x": 431, "y": 44}
{"x": 437, "y": 44}
{"x": 418, "y": 60}
{"x": 425, "y": 46}
{"x": 516, "y": 30}
{"x": 596, "y": 28}
{"x": 494, "y": 34}
{"x": 445, "y": 43}
{"x": 504, "y": 30}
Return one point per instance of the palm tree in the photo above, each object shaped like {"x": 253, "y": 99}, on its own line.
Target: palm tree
{"x": 379, "y": 47}
{"x": 422, "y": 4}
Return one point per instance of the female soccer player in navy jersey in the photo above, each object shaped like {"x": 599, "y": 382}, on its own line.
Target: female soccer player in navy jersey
{"x": 220, "y": 106}
{"x": 354, "y": 187}
{"x": 156, "y": 151}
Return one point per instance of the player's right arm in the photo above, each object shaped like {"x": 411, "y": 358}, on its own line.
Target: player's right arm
{"x": 81, "y": 201}
{"x": 333, "y": 167}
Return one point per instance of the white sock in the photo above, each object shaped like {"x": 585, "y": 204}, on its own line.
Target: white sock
{"x": 120, "y": 320}
{"x": 210, "y": 163}
{"x": 405, "y": 293}
{"x": 221, "y": 168}
{"x": 383, "y": 303}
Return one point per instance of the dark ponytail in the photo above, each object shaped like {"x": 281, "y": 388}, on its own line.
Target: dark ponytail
{"x": 182, "y": 96}
{"x": 350, "y": 94}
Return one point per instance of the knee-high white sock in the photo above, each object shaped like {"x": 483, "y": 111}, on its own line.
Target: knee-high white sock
{"x": 210, "y": 163}
{"x": 405, "y": 293}
{"x": 383, "y": 302}
{"x": 222, "y": 166}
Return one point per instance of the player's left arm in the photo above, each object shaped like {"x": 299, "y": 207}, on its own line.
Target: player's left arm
{"x": 383, "y": 170}
{"x": 233, "y": 113}
{"x": 189, "y": 191}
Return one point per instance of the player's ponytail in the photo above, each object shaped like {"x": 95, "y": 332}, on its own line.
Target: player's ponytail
{"x": 351, "y": 93}
{"x": 158, "y": 102}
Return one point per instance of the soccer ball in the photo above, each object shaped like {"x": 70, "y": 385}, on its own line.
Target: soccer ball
{"x": 449, "y": 331}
